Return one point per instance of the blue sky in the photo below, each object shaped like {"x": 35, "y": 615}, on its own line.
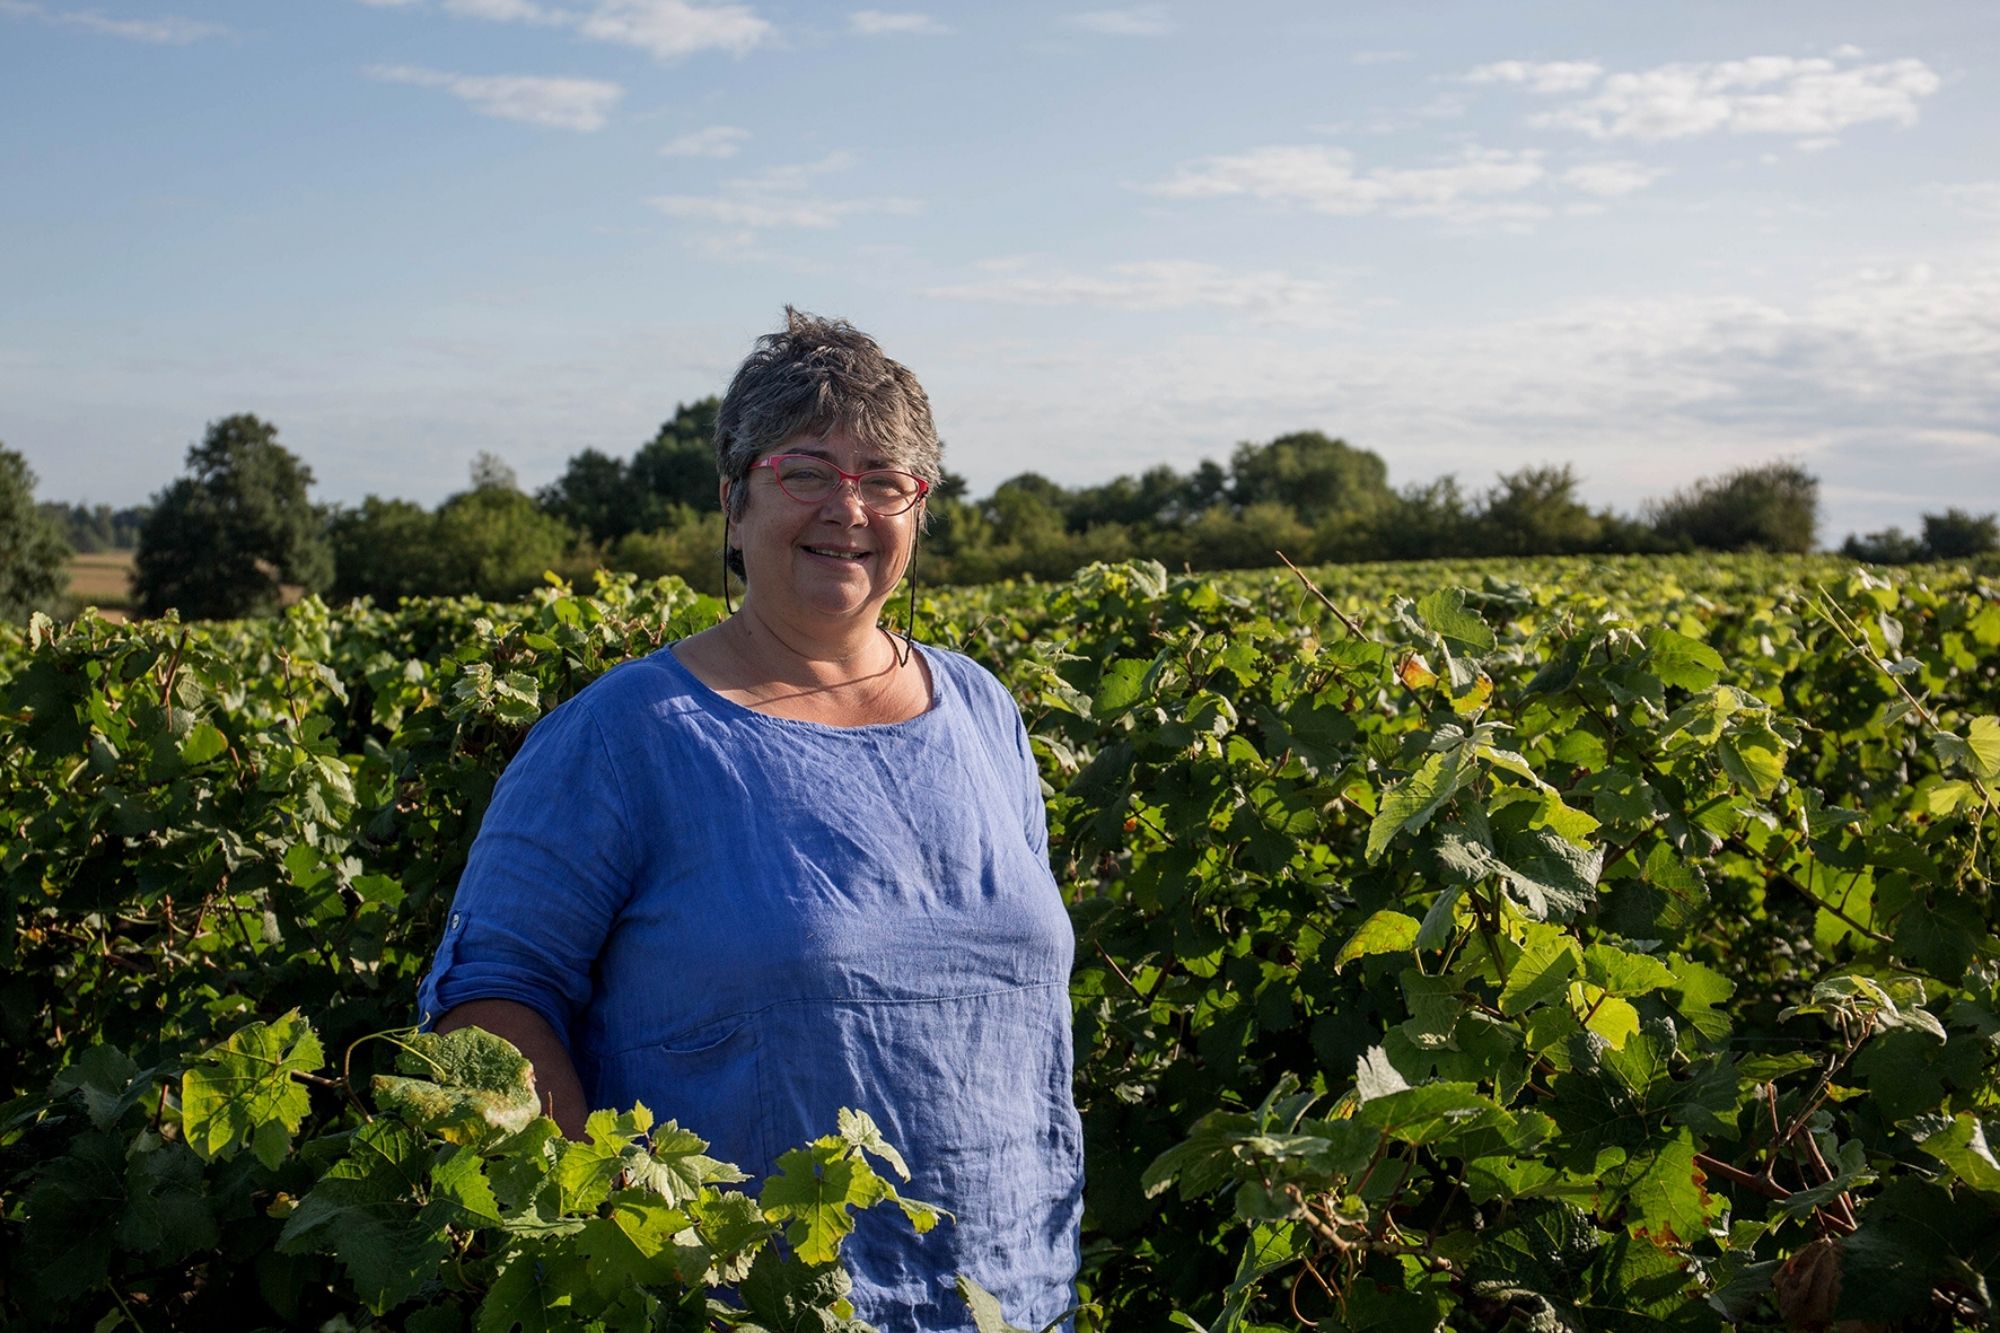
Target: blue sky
{"x": 1654, "y": 242}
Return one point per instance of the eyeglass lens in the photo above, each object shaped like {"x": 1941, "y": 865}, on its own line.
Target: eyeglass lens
{"x": 886, "y": 491}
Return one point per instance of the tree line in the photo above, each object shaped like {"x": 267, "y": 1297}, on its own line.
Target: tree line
{"x": 239, "y": 525}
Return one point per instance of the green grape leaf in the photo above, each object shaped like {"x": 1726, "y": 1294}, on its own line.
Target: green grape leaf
{"x": 1384, "y": 932}
{"x": 203, "y": 743}
{"x": 732, "y": 1229}
{"x": 1666, "y": 1194}
{"x": 677, "y": 1168}
{"x": 1119, "y": 687}
{"x": 1539, "y": 1262}
{"x": 1549, "y": 877}
{"x": 167, "y": 1213}
{"x": 613, "y": 1150}
{"x": 1678, "y": 660}
{"x": 815, "y": 1187}
{"x": 1408, "y": 806}
{"x": 858, "y": 1130}
{"x": 108, "y": 1083}
{"x": 1622, "y": 972}
{"x": 534, "y": 1293}
{"x": 1702, "y": 991}
{"x": 243, "y": 1089}
{"x": 1426, "y": 1113}
{"x": 1463, "y": 632}
{"x": 632, "y": 1243}
{"x": 1547, "y": 961}
{"x": 369, "y": 1211}
{"x": 1961, "y": 1144}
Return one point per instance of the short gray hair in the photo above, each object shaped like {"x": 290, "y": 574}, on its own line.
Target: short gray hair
{"x": 816, "y": 376}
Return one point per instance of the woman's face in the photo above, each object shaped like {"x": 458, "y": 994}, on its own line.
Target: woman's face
{"x": 829, "y": 563}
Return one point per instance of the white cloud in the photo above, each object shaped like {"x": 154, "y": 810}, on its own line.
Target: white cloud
{"x": 669, "y": 29}
{"x": 712, "y": 141}
{"x": 1812, "y": 98}
{"x": 778, "y": 197}
{"x": 1879, "y": 381}
{"x": 567, "y": 104}
{"x": 1132, "y": 21}
{"x": 165, "y": 30}
{"x": 1610, "y": 179}
{"x": 1980, "y": 199}
{"x": 1549, "y": 76}
{"x": 1153, "y": 286}
{"x": 881, "y": 22}
{"x": 1325, "y": 179}
{"x": 757, "y": 213}
{"x": 506, "y": 11}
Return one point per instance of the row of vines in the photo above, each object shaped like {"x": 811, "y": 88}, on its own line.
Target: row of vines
{"x": 1546, "y": 945}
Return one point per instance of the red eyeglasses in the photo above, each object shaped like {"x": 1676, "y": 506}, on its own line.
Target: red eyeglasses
{"x": 809, "y": 480}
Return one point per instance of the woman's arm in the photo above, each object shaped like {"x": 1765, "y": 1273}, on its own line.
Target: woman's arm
{"x": 555, "y": 1073}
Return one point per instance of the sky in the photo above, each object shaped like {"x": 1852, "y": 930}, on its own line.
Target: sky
{"x": 1651, "y": 242}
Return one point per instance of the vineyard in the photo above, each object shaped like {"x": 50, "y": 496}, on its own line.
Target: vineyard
{"x": 1546, "y": 945}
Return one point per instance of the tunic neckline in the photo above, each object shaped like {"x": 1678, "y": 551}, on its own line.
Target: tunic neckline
{"x": 721, "y": 703}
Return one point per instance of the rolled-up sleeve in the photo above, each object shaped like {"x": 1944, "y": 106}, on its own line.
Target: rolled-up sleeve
{"x": 551, "y": 869}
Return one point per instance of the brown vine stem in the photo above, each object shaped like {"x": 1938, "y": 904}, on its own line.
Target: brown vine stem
{"x": 1836, "y": 615}
{"x": 1780, "y": 877}
{"x": 1763, "y": 1185}
{"x": 1112, "y": 963}
{"x": 173, "y": 670}
{"x": 1325, "y": 601}
{"x": 1846, "y": 1203}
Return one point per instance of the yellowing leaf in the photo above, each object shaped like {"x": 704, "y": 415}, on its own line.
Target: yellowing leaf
{"x": 1983, "y": 740}
{"x": 1384, "y": 932}
{"x": 243, "y": 1090}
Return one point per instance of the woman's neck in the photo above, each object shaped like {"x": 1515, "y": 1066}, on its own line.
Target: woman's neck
{"x": 810, "y": 657}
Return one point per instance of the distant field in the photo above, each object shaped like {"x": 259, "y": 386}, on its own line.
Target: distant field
{"x": 103, "y": 580}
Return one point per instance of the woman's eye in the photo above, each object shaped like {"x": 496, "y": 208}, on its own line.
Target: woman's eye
{"x": 808, "y": 474}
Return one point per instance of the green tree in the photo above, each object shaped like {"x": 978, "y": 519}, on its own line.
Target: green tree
{"x": 595, "y": 495}
{"x": 1958, "y": 534}
{"x": 1890, "y": 546}
{"x": 494, "y": 542}
{"x": 385, "y": 549}
{"x": 1428, "y": 522}
{"x": 676, "y": 467}
{"x": 222, "y": 540}
{"x": 33, "y": 554}
{"x": 690, "y": 547}
{"x": 1339, "y": 491}
{"x": 1774, "y": 507}
{"x": 1536, "y": 511}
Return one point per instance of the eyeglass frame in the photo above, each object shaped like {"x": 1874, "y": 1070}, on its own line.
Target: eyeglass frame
{"x": 846, "y": 477}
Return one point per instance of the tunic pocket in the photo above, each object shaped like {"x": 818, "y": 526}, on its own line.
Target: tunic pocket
{"x": 709, "y": 1082}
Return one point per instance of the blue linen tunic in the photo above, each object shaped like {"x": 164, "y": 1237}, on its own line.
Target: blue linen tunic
{"x": 749, "y": 922}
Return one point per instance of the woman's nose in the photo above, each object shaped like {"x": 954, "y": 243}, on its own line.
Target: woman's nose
{"x": 845, "y": 500}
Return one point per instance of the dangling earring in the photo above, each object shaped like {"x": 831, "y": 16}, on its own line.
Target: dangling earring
{"x": 910, "y": 620}
{"x": 726, "y": 602}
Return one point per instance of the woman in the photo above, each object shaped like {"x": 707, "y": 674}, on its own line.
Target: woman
{"x": 794, "y": 863}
